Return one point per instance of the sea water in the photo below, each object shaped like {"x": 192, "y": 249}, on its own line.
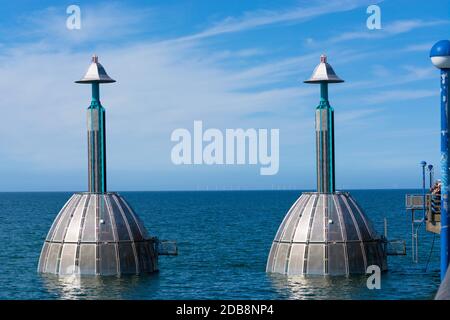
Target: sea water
{"x": 223, "y": 240}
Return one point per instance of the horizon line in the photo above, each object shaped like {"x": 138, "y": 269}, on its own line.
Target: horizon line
{"x": 209, "y": 190}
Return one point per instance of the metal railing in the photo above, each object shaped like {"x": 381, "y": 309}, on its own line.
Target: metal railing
{"x": 429, "y": 209}
{"x": 414, "y": 201}
{"x": 166, "y": 247}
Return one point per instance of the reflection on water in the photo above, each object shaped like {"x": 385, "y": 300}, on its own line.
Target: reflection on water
{"x": 96, "y": 287}
{"x": 319, "y": 287}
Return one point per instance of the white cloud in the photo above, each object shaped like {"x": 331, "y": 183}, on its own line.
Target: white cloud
{"x": 110, "y": 20}
{"x": 161, "y": 86}
{"x": 398, "y": 95}
{"x": 385, "y": 77}
{"x": 262, "y": 18}
{"x": 422, "y": 47}
{"x": 346, "y": 118}
{"x": 391, "y": 29}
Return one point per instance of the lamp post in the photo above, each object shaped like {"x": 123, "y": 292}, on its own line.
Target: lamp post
{"x": 431, "y": 172}
{"x": 424, "y": 165}
{"x": 440, "y": 57}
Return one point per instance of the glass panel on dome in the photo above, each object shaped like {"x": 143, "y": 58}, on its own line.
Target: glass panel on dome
{"x": 317, "y": 228}
{"x": 270, "y": 261}
{"x": 281, "y": 228}
{"x": 303, "y": 225}
{"x": 105, "y": 228}
{"x": 371, "y": 253}
{"x": 365, "y": 235}
{"x": 289, "y": 229}
{"x": 372, "y": 231}
{"x": 280, "y": 258}
{"x": 336, "y": 259}
{"x": 64, "y": 221}
{"x": 127, "y": 259}
{"x": 73, "y": 232}
{"x": 355, "y": 258}
{"x": 316, "y": 259}
{"x": 334, "y": 223}
{"x": 291, "y": 221}
{"x": 87, "y": 259}
{"x": 296, "y": 259}
{"x": 136, "y": 218}
{"x": 43, "y": 257}
{"x": 347, "y": 220}
{"x": 70, "y": 203}
{"x": 52, "y": 260}
{"x": 89, "y": 230}
{"x": 108, "y": 261}
{"x": 286, "y": 218}
{"x": 145, "y": 261}
{"x": 67, "y": 265}
{"x": 121, "y": 226}
{"x": 131, "y": 222}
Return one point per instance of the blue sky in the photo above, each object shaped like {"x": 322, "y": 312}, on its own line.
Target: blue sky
{"x": 231, "y": 64}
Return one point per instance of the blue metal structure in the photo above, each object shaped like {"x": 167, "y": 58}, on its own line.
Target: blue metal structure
{"x": 440, "y": 57}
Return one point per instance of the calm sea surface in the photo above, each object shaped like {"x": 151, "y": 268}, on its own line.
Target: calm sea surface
{"x": 223, "y": 240}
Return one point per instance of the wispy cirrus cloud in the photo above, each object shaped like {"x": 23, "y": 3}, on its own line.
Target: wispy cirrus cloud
{"x": 114, "y": 20}
{"x": 349, "y": 117}
{"x": 391, "y": 29}
{"x": 398, "y": 95}
{"x": 385, "y": 77}
{"x": 166, "y": 83}
{"x": 261, "y": 18}
{"x": 99, "y": 22}
{"x": 421, "y": 47}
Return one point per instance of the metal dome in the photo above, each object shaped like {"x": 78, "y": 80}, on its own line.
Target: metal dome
{"x": 324, "y": 73}
{"x": 326, "y": 234}
{"x": 98, "y": 234}
{"x": 96, "y": 73}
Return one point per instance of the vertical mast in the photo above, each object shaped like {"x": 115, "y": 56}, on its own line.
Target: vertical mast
{"x": 440, "y": 57}
{"x": 445, "y": 119}
{"x": 325, "y": 143}
{"x": 323, "y": 75}
{"x": 96, "y": 128}
{"x": 96, "y": 143}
